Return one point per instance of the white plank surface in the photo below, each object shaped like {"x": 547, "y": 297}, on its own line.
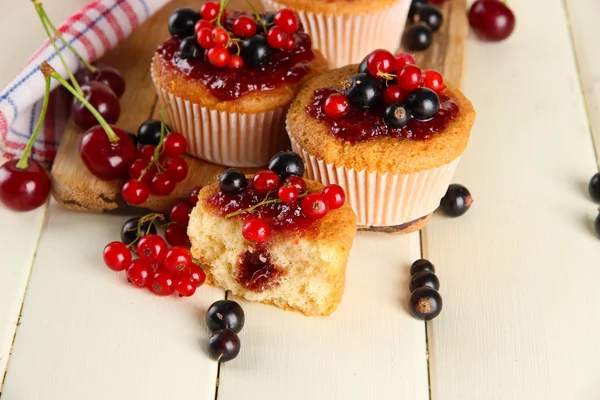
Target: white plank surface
{"x": 519, "y": 272}
{"x": 86, "y": 334}
{"x": 370, "y": 348}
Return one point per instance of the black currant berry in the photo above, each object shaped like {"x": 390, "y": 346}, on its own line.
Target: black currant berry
{"x": 232, "y": 181}
{"x": 362, "y": 67}
{"x": 129, "y": 231}
{"x": 225, "y": 314}
{"x": 268, "y": 18}
{"x": 424, "y": 103}
{"x": 414, "y": 6}
{"x": 190, "y": 48}
{"x": 255, "y": 51}
{"x": 424, "y": 278}
{"x": 430, "y": 14}
{"x": 594, "y": 188}
{"x": 456, "y": 201}
{"x": 134, "y": 138}
{"x": 425, "y": 303}
{"x": 421, "y": 265}
{"x": 149, "y": 132}
{"x": 597, "y": 225}
{"x": 223, "y": 345}
{"x": 182, "y": 22}
{"x": 396, "y": 116}
{"x": 363, "y": 91}
{"x": 287, "y": 163}
{"x": 418, "y": 37}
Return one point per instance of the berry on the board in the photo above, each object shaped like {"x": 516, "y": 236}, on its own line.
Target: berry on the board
{"x": 117, "y": 256}
{"x": 394, "y": 94}
{"x": 146, "y": 153}
{"x": 491, "y": 20}
{"x": 176, "y": 235}
{"x": 129, "y": 231}
{"x": 409, "y": 77}
{"x": 149, "y": 133}
{"x": 594, "y": 188}
{"x": 265, "y": 182}
{"x": 424, "y": 278}
{"x": 193, "y": 197}
{"x": 102, "y": 98}
{"x": 232, "y": 181}
{"x": 287, "y": 194}
{"x": 162, "y": 184}
{"x": 418, "y": 37}
{"x": 286, "y": 164}
{"x": 456, "y": 201}
{"x": 402, "y": 60}
{"x": 163, "y": 283}
{"x": 429, "y": 14}
{"x": 107, "y": 157}
{"x": 433, "y": 80}
{"x": 223, "y": 345}
{"x": 335, "y": 196}
{"x": 255, "y": 51}
{"x": 423, "y": 103}
{"x": 425, "y": 303}
{"x": 336, "y": 106}
{"x": 244, "y": 26}
{"x": 135, "y": 192}
{"x": 380, "y": 62}
{"x": 189, "y": 48}
{"x": 180, "y": 213}
{"x": 110, "y": 77}
{"x": 397, "y": 116}
{"x": 176, "y": 168}
{"x": 256, "y": 230}
{"x": 363, "y": 91}
{"x": 287, "y": 20}
{"x": 152, "y": 249}
{"x": 177, "y": 259}
{"x": 182, "y": 21}
{"x": 225, "y": 314}
{"x": 140, "y": 273}
{"x": 314, "y": 206}
{"x": 421, "y": 265}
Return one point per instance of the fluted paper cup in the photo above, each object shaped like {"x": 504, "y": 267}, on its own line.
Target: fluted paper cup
{"x": 383, "y": 199}
{"x": 348, "y": 38}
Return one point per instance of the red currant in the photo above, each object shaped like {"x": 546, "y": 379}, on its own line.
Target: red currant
{"x": 193, "y": 197}
{"x": 287, "y": 194}
{"x": 152, "y": 248}
{"x": 203, "y": 24}
{"x": 314, "y": 206}
{"x": 433, "y": 80}
{"x": 175, "y": 145}
{"x": 394, "y": 94}
{"x": 178, "y": 259}
{"x": 287, "y": 20}
{"x": 136, "y": 168}
{"x": 117, "y": 256}
{"x": 210, "y": 10}
{"x": 335, "y": 196}
{"x": 23, "y": 189}
{"x": 402, "y": 60}
{"x": 146, "y": 152}
{"x": 380, "y": 61}
{"x": 277, "y": 37}
{"x": 185, "y": 286}
{"x": 297, "y": 182}
{"x": 336, "y": 106}
{"x": 218, "y": 56}
{"x": 177, "y": 168}
{"x": 409, "y": 78}
{"x": 220, "y": 36}
{"x": 135, "y": 192}
{"x": 180, "y": 213}
{"x": 162, "y": 184}
{"x": 244, "y": 26}
{"x": 290, "y": 44}
{"x": 163, "y": 283}
{"x": 197, "y": 274}
{"x": 140, "y": 273}
{"x": 204, "y": 37}
{"x": 235, "y": 62}
{"x": 256, "y": 230}
{"x": 176, "y": 235}
{"x": 265, "y": 182}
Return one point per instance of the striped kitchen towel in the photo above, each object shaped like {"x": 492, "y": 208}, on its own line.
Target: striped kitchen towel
{"x": 92, "y": 31}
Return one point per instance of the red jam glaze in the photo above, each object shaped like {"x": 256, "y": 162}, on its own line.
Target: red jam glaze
{"x": 363, "y": 125}
{"x": 230, "y": 84}
{"x": 256, "y": 272}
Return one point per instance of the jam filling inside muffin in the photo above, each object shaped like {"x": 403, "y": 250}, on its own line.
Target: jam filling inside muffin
{"x": 360, "y": 125}
{"x": 256, "y": 272}
{"x": 230, "y": 84}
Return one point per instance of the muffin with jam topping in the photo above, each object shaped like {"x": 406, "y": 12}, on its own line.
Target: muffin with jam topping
{"x": 229, "y": 79}
{"x": 275, "y": 237}
{"x": 389, "y": 133}
{"x": 345, "y": 30}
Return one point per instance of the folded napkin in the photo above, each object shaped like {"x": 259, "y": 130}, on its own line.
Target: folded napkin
{"x": 92, "y": 31}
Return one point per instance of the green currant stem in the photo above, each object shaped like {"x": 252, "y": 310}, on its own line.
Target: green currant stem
{"x": 147, "y": 218}
{"x": 48, "y": 71}
{"x": 257, "y": 15}
{"x": 161, "y": 144}
{"x": 262, "y": 203}
{"x": 22, "y": 164}
{"x": 221, "y": 11}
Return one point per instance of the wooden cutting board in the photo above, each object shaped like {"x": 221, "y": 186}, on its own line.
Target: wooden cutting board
{"x": 76, "y": 188}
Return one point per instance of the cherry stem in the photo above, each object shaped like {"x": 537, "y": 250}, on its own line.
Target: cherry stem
{"x": 221, "y": 11}
{"x": 262, "y": 203}
{"x": 22, "y": 164}
{"x": 48, "y": 71}
{"x": 257, "y": 15}
{"x": 44, "y": 15}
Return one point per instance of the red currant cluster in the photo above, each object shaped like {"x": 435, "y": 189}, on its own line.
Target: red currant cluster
{"x": 176, "y": 231}
{"x": 161, "y": 269}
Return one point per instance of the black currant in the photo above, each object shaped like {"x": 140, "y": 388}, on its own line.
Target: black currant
{"x": 268, "y": 18}
{"x": 423, "y": 103}
{"x": 182, "y": 22}
{"x": 223, "y": 345}
{"x": 414, "y": 6}
{"x": 424, "y": 278}
{"x": 597, "y": 225}
{"x": 421, "y": 265}
{"x": 418, "y": 37}
{"x": 430, "y": 14}
{"x": 190, "y": 48}
{"x": 397, "y": 116}
{"x": 225, "y": 314}
{"x": 255, "y": 51}
{"x": 129, "y": 231}
{"x": 232, "y": 181}
{"x": 425, "y": 303}
{"x": 456, "y": 201}
{"x": 594, "y": 188}
{"x": 363, "y": 91}
{"x": 149, "y": 132}
{"x": 287, "y": 163}
{"x": 362, "y": 67}
{"x": 134, "y": 138}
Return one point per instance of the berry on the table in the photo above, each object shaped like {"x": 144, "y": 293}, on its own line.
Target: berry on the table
{"x": 287, "y": 194}
{"x": 162, "y": 184}
{"x": 225, "y": 314}
{"x": 265, "y": 182}
{"x": 182, "y": 21}
{"x": 336, "y": 106}
{"x": 152, "y": 249}
{"x": 218, "y": 56}
{"x": 235, "y": 62}
{"x": 394, "y": 94}
{"x": 433, "y": 80}
{"x": 23, "y": 189}
{"x": 255, "y": 51}
{"x": 430, "y": 15}
{"x": 185, "y": 286}
{"x": 256, "y": 230}
{"x": 456, "y": 201}
{"x": 418, "y": 37}
{"x": 314, "y": 206}
{"x": 117, "y": 256}
{"x": 176, "y": 168}
{"x": 425, "y": 303}
{"x": 594, "y": 188}
{"x": 102, "y": 98}
{"x": 421, "y": 265}
{"x": 277, "y": 37}
{"x": 491, "y": 20}
{"x": 197, "y": 275}
{"x": 286, "y": 164}
{"x": 177, "y": 259}
{"x": 424, "y": 103}
{"x": 193, "y": 197}
{"x": 424, "y": 278}
{"x": 140, "y": 273}
{"x": 232, "y": 181}
{"x": 397, "y": 116}
{"x": 335, "y": 196}
{"x": 163, "y": 283}
{"x": 204, "y": 38}
{"x": 129, "y": 231}
{"x": 297, "y": 182}
{"x": 597, "y": 225}
{"x": 180, "y": 213}
{"x": 210, "y": 10}
{"x": 409, "y": 77}
{"x": 380, "y": 62}
{"x": 135, "y": 192}
{"x": 244, "y": 26}
{"x": 402, "y": 60}
{"x": 189, "y": 48}
{"x": 220, "y": 36}
{"x": 223, "y": 345}
{"x": 363, "y": 91}
{"x": 175, "y": 145}
{"x": 176, "y": 235}
{"x": 149, "y": 132}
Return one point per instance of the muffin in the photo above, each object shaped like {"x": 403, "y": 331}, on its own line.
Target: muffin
{"x": 390, "y": 134}
{"x": 290, "y": 254}
{"x": 228, "y": 88}
{"x": 345, "y": 30}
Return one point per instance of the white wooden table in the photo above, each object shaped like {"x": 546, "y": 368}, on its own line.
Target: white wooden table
{"x": 520, "y": 272}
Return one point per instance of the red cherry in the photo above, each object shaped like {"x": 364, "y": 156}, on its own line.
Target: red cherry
{"x": 287, "y": 194}
{"x": 152, "y": 248}
{"x": 265, "y": 182}
{"x": 218, "y": 56}
{"x": 204, "y": 38}
{"x": 135, "y": 192}
{"x": 193, "y": 197}
{"x": 176, "y": 235}
{"x": 178, "y": 259}
{"x": 104, "y": 101}
{"x": 210, "y": 10}
{"x": 297, "y": 182}
{"x": 433, "y": 80}
{"x": 137, "y": 168}
{"x": 394, "y": 94}
{"x": 117, "y": 256}
{"x": 491, "y": 20}
{"x": 203, "y": 24}
{"x": 244, "y": 26}
{"x": 314, "y": 206}
{"x": 235, "y": 62}
{"x": 335, "y": 196}
{"x": 220, "y": 36}
{"x": 185, "y": 286}
{"x": 287, "y": 20}
{"x": 112, "y": 78}
{"x": 180, "y": 213}
{"x": 146, "y": 153}
{"x": 277, "y": 37}
{"x": 163, "y": 283}
{"x": 197, "y": 274}
{"x": 291, "y": 44}
{"x": 336, "y": 106}
{"x": 177, "y": 168}
{"x": 105, "y": 159}
{"x": 380, "y": 61}
{"x": 175, "y": 145}
{"x": 409, "y": 78}
{"x": 403, "y": 59}
{"x": 140, "y": 273}
{"x": 23, "y": 189}
{"x": 162, "y": 184}
{"x": 256, "y": 230}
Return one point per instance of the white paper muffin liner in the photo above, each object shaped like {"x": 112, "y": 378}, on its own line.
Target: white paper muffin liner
{"x": 383, "y": 199}
{"x": 347, "y": 39}
{"x": 220, "y": 137}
